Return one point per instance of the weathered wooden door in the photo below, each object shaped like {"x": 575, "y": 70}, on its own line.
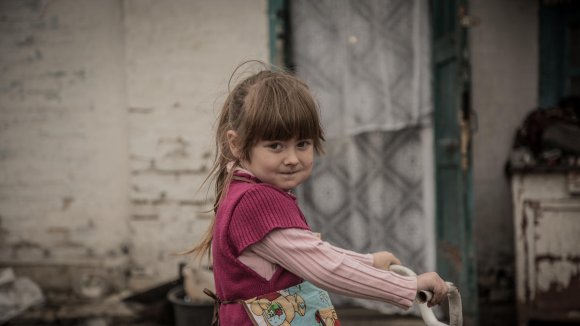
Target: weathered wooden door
{"x": 451, "y": 89}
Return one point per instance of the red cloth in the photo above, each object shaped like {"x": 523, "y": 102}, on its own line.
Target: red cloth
{"x": 247, "y": 214}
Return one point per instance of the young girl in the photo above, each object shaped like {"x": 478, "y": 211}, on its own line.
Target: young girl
{"x": 269, "y": 268}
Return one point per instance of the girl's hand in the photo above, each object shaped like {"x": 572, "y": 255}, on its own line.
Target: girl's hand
{"x": 435, "y": 284}
{"x": 384, "y": 259}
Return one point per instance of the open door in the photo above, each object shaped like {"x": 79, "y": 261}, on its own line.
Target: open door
{"x": 453, "y": 169}
{"x": 452, "y": 125}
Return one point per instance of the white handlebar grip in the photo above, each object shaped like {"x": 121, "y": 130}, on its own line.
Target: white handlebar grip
{"x": 455, "y": 306}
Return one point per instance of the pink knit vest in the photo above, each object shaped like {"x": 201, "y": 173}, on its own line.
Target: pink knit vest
{"x": 247, "y": 214}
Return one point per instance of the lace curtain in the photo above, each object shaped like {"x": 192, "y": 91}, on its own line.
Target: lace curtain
{"x": 367, "y": 63}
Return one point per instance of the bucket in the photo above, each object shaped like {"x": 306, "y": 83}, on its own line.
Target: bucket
{"x": 189, "y": 313}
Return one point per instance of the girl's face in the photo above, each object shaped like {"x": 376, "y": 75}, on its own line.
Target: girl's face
{"x": 282, "y": 163}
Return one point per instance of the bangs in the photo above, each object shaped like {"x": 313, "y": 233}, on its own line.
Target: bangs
{"x": 287, "y": 119}
{"x": 281, "y": 109}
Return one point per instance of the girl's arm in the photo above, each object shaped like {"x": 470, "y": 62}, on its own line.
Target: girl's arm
{"x": 334, "y": 269}
{"x": 381, "y": 259}
{"x": 316, "y": 240}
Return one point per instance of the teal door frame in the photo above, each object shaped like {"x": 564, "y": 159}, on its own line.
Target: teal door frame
{"x": 456, "y": 260}
{"x": 279, "y": 34}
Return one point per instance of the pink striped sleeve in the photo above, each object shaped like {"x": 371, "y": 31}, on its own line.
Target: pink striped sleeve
{"x": 366, "y": 259}
{"x": 335, "y": 269}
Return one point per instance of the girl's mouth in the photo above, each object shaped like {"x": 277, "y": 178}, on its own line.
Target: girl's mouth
{"x": 288, "y": 173}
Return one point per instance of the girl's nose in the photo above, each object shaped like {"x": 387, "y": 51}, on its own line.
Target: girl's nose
{"x": 291, "y": 157}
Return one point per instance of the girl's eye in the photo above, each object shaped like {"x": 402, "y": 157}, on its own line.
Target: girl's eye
{"x": 274, "y": 146}
{"x": 304, "y": 143}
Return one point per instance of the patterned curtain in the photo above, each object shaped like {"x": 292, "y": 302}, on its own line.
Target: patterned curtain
{"x": 367, "y": 61}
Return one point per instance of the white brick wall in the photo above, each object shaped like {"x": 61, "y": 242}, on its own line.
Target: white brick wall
{"x": 106, "y": 114}
{"x": 63, "y": 138}
{"x": 180, "y": 55}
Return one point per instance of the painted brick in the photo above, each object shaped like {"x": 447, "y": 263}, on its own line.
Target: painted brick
{"x": 106, "y": 115}
{"x": 63, "y": 136}
{"x": 180, "y": 55}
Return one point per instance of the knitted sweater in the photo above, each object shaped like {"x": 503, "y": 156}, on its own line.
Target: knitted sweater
{"x": 333, "y": 269}
{"x": 245, "y": 216}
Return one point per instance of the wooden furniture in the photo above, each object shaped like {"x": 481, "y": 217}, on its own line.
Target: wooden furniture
{"x": 547, "y": 243}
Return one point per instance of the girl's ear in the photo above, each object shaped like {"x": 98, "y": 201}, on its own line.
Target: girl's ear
{"x": 232, "y": 142}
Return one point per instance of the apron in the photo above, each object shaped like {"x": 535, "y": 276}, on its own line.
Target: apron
{"x": 299, "y": 305}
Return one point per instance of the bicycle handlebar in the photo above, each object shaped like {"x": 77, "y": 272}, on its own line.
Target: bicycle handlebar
{"x": 455, "y": 306}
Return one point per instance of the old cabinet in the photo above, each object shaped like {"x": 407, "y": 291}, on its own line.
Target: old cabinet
{"x": 547, "y": 239}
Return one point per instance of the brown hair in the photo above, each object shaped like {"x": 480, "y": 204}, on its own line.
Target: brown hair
{"x": 268, "y": 105}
